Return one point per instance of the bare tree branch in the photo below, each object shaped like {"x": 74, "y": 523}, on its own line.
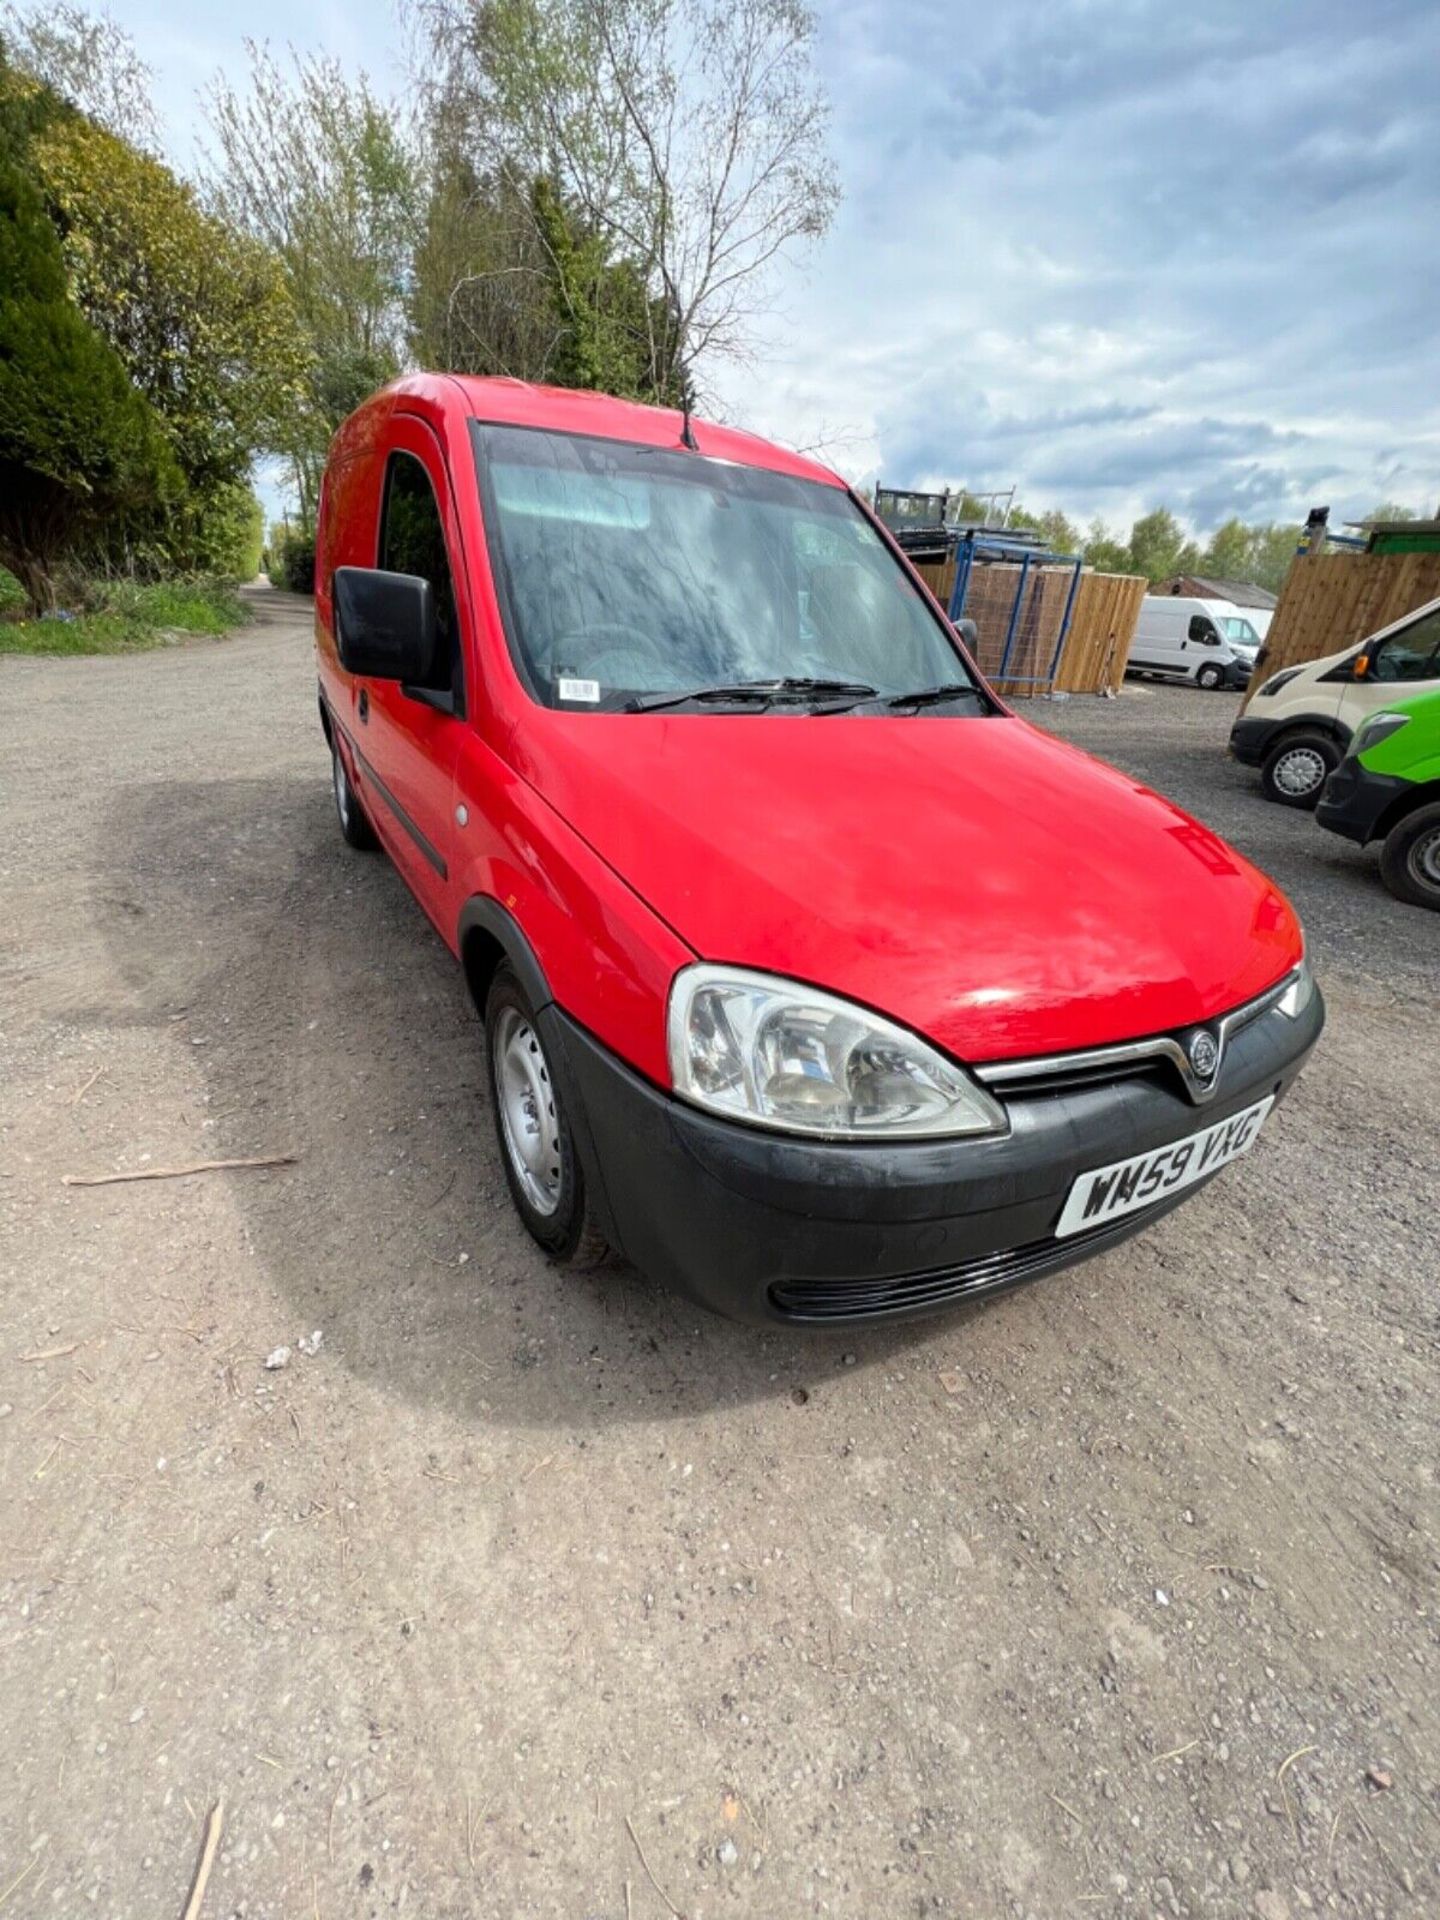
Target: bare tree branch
{"x": 690, "y": 134}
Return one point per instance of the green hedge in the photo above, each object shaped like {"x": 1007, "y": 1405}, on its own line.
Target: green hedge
{"x": 292, "y": 557}
{"x": 122, "y": 616}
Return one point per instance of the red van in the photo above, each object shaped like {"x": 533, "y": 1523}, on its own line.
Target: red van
{"x": 815, "y": 981}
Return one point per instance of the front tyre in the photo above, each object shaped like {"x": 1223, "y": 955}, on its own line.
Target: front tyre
{"x": 1297, "y": 767}
{"x": 537, "y": 1148}
{"x": 354, "y": 827}
{"x": 1410, "y": 858}
{"x": 1210, "y": 677}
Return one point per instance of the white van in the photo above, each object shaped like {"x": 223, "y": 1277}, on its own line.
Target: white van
{"x": 1301, "y": 720}
{"x": 1210, "y": 643}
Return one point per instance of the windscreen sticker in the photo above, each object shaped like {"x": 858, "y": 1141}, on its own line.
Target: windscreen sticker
{"x": 579, "y": 689}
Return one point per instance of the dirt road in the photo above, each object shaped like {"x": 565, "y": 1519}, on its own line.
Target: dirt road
{"x": 536, "y": 1595}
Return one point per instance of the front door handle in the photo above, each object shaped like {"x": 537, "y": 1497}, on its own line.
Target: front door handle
{"x": 364, "y": 703}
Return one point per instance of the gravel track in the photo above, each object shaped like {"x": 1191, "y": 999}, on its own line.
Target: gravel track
{"x": 1102, "y": 1598}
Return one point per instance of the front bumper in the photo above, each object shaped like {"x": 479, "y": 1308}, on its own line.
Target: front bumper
{"x": 1238, "y": 675}
{"x": 1250, "y": 739}
{"x": 767, "y": 1228}
{"x": 1354, "y": 799}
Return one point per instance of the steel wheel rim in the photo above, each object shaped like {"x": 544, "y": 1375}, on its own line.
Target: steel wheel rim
{"x": 529, "y": 1118}
{"x": 1424, "y": 861}
{"x": 342, "y": 791}
{"x": 1300, "y": 771}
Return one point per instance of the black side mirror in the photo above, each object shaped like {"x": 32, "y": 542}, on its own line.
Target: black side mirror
{"x": 969, "y": 633}
{"x": 385, "y": 624}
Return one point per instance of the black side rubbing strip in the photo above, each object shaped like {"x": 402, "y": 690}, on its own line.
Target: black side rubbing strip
{"x": 432, "y": 853}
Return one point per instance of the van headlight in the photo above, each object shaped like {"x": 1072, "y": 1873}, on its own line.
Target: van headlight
{"x": 1371, "y": 732}
{"x": 1276, "y": 681}
{"x": 775, "y": 1053}
{"x": 1299, "y": 991}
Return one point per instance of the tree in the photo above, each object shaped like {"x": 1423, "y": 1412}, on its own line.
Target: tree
{"x": 197, "y": 313}
{"x": 1230, "y": 553}
{"x": 1272, "y": 548}
{"x": 89, "y": 61}
{"x": 1158, "y": 547}
{"x": 1059, "y": 534}
{"x": 227, "y": 537}
{"x": 77, "y": 442}
{"x": 477, "y": 300}
{"x": 605, "y": 320}
{"x": 1392, "y": 510}
{"x": 689, "y": 136}
{"x": 1104, "y": 551}
{"x": 322, "y": 174}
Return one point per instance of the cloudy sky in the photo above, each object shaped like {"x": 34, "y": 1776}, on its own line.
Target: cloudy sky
{"x": 1119, "y": 252}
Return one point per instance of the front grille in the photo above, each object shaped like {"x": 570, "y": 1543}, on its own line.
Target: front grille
{"x": 1161, "y": 1056}
{"x": 915, "y": 1292}
{"x": 1056, "y": 1077}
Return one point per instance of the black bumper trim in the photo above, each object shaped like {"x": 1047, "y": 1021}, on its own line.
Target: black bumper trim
{"x": 1355, "y": 799}
{"x": 822, "y": 1301}
{"x": 1250, "y": 738}
{"x": 751, "y": 1223}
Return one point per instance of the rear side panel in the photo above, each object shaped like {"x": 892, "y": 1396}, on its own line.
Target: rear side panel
{"x": 349, "y": 513}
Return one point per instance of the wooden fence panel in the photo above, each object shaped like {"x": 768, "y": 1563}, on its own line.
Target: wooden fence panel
{"x": 1102, "y": 626}
{"x": 1332, "y": 600}
{"x": 939, "y": 576}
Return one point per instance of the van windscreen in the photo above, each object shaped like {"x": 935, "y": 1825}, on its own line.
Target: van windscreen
{"x": 630, "y": 571}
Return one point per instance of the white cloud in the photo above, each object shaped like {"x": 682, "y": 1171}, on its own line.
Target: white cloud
{"x": 1124, "y": 255}
{"x": 1119, "y": 251}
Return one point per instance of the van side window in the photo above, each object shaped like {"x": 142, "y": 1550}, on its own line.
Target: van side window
{"x": 412, "y": 540}
{"x": 1202, "y": 628}
{"x": 1411, "y": 654}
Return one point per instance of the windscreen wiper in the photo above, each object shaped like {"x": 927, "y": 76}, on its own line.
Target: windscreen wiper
{"x": 932, "y": 696}
{"x": 789, "y": 688}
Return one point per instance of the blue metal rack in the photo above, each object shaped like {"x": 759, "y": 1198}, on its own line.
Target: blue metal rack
{"x": 976, "y": 544}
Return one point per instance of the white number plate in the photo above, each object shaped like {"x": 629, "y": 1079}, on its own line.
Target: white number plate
{"x": 1108, "y": 1192}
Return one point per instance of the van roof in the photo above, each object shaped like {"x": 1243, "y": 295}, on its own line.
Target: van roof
{"x": 1180, "y": 601}
{"x": 501, "y": 401}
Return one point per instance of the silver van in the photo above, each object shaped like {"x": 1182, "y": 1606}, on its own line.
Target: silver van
{"x": 1210, "y": 643}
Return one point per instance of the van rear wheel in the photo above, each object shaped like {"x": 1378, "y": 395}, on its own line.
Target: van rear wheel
{"x": 1297, "y": 767}
{"x": 355, "y": 828}
{"x": 1410, "y": 858}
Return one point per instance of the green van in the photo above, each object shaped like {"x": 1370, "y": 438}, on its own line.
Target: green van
{"x": 1388, "y": 788}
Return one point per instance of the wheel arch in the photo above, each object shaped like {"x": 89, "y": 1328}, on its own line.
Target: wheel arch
{"x": 1424, "y": 793}
{"x": 489, "y": 934}
{"x": 1325, "y": 723}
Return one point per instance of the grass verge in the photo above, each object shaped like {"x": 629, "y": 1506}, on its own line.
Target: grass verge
{"x": 126, "y": 617}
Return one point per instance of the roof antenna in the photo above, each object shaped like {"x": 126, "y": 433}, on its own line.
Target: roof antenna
{"x": 687, "y": 432}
